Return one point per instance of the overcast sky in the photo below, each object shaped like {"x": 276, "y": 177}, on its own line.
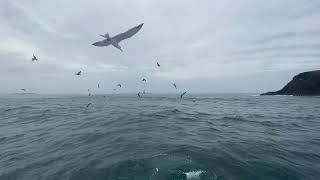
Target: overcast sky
{"x": 204, "y": 46}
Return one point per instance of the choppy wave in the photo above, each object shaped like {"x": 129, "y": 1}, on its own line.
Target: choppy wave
{"x": 155, "y": 138}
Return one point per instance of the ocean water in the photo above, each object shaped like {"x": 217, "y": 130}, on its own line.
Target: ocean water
{"x": 159, "y": 137}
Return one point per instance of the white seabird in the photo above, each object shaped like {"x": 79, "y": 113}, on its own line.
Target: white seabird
{"x": 114, "y": 41}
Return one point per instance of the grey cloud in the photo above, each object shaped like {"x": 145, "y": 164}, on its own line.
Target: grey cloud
{"x": 187, "y": 38}
{"x": 287, "y": 35}
{"x": 275, "y": 48}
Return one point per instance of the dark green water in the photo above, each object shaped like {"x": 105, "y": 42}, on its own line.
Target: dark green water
{"x": 223, "y": 137}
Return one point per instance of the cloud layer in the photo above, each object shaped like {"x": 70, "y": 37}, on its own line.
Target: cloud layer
{"x": 204, "y": 46}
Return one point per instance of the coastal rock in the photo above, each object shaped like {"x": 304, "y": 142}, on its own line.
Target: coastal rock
{"x": 303, "y": 84}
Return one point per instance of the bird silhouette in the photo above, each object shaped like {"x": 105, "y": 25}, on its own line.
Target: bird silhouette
{"x": 175, "y": 85}
{"x": 34, "y": 58}
{"x": 184, "y": 93}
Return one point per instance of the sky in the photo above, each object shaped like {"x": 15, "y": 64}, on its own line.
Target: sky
{"x": 206, "y": 46}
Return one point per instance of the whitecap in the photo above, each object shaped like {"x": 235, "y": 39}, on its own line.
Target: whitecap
{"x": 161, "y": 154}
{"x": 193, "y": 174}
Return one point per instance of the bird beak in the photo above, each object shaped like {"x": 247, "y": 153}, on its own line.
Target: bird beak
{"x": 96, "y": 44}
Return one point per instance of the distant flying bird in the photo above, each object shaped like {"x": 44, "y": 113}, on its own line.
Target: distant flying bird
{"x": 144, "y": 80}
{"x": 78, "y": 73}
{"x": 139, "y": 95}
{"x": 34, "y": 58}
{"x": 175, "y": 85}
{"x": 184, "y": 93}
{"x": 114, "y": 41}
{"x": 23, "y": 90}
{"x": 158, "y": 64}
{"x": 98, "y": 85}
{"x": 119, "y": 85}
{"x": 89, "y": 104}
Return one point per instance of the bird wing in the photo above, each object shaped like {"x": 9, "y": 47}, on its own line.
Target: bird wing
{"x": 104, "y": 42}
{"x": 128, "y": 34}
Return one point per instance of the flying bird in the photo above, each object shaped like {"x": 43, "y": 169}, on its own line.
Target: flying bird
{"x": 98, "y": 85}
{"x": 139, "y": 95}
{"x": 144, "y": 80}
{"x": 34, "y": 58}
{"x": 78, "y": 73}
{"x": 158, "y": 64}
{"x": 114, "y": 41}
{"x": 184, "y": 93}
{"x": 119, "y": 85}
{"x": 23, "y": 90}
{"x": 89, "y": 104}
{"x": 175, "y": 85}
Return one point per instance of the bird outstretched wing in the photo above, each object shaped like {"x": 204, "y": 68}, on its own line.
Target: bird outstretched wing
{"x": 128, "y": 34}
{"x": 104, "y": 42}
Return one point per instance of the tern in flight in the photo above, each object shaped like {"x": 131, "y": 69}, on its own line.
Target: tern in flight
{"x": 78, "y": 73}
{"x": 23, "y": 90}
{"x": 139, "y": 95}
{"x": 88, "y": 105}
{"x": 114, "y": 41}
{"x": 184, "y": 93}
{"x": 158, "y": 64}
{"x": 34, "y": 58}
{"x": 144, "y": 80}
{"x": 119, "y": 85}
{"x": 175, "y": 85}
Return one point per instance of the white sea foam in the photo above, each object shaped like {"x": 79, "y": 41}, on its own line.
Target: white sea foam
{"x": 283, "y": 95}
{"x": 194, "y": 174}
{"x": 161, "y": 154}
{"x": 255, "y": 95}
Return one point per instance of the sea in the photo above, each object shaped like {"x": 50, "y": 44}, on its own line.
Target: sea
{"x": 159, "y": 137}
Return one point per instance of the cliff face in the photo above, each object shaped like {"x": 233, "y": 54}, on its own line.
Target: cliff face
{"x": 303, "y": 84}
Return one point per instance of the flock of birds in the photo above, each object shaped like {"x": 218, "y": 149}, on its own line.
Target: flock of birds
{"x": 114, "y": 41}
